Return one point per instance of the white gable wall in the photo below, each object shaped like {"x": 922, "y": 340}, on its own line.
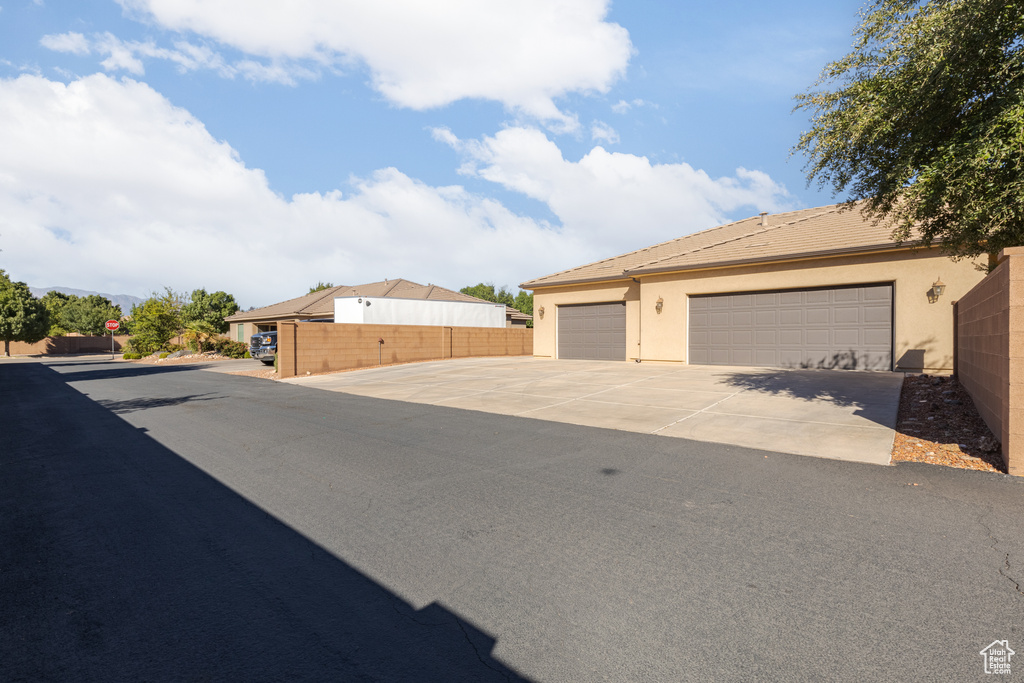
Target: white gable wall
{"x": 389, "y": 311}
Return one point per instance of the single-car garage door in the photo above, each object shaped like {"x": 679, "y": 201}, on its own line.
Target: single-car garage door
{"x": 842, "y": 328}
{"x": 592, "y": 331}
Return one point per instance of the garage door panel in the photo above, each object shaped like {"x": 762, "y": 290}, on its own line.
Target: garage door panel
{"x": 592, "y": 331}
{"x": 817, "y": 316}
{"x": 847, "y": 314}
{"x": 877, "y": 314}
{"x": 791, "y": 337}
{"x": 741, "y": 319}
{"x": 817, "y": 337}
{"x": 790, "y": 299}
{"x": 741, "y": 357}
{"x": 842, "y": 337}
{"x": 791, "y": 316}
{"x": 877, "y": 338}
{"x": 844, "y": 327}
{"x": 743, "y": 337}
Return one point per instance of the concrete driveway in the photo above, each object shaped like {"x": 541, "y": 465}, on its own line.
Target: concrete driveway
{"x": 831, "y": 414}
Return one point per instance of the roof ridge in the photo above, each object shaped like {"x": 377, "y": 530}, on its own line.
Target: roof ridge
{"x": 712, "y": 245}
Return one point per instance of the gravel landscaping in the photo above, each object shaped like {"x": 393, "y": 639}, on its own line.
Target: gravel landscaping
{"x": 937, "y": 423}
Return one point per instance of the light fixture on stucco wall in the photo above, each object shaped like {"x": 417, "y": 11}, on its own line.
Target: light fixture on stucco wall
{"x": 540, "y": 311}
{"x": 659, "y": 304}
{"x": 937, "y": 290}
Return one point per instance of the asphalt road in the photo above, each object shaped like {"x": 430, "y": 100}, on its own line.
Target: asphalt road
{"x": 162, "y": 524}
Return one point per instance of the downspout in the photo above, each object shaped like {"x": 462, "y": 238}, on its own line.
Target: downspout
{"x": 639, "y": 323}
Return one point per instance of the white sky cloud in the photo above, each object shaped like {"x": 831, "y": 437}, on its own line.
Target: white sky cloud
{"x": 599, "y": 130}
{"x": 72, "y": 42}
{"x": 420, "y": 55}
{"x": 105, "y": 185}
{"x": 618, "y": 201}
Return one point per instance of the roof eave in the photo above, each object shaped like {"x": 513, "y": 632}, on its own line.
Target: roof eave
{"x": 828, "y": 253}
{"x": 582, "y": 281}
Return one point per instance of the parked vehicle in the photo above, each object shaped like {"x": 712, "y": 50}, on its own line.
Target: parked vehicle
{"x": 263, "y": 347}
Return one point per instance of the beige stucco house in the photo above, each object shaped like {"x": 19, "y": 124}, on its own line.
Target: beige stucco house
{"x": 820, "y": 288}
{"x": 319, "y": 305}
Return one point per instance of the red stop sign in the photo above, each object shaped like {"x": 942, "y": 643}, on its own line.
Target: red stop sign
{"x": 113, "y": 325}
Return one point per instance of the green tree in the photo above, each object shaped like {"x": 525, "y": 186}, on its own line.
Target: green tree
{"x": 23, "y": 317}
{"x": 210, "y": 309}
{"x": 924, "y": 122}
{"x": 487, "y": 293}
{"x": 155, "y": 321}
{"x": 197, "y": 333}
{"x": 55, "y": 302}
{"x": 319, "y": 286}
{"x": 88, "y": 314}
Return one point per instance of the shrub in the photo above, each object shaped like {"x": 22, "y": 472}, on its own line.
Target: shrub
{"x": 231, "y": 349}
{"x": 164, "y": 355}
{"x": 131, "y": 356}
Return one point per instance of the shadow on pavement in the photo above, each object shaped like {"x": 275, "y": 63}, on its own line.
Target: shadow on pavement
{"x": 867, "y": 392}
{"x": 133, "y": 404}
{"x": 122, "y": 561}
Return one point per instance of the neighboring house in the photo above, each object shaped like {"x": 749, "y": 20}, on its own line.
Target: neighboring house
{"x": 817, "y": 288}
{"x": 319, "y": 306}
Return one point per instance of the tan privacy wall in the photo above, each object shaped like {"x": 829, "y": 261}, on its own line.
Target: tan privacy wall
{"x": 328, "y": 347}
{"x": 62, "y": 345}
{"x": 990, "y": 352}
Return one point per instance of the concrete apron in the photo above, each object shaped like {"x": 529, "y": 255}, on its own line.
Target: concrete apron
{"x": 825, "y": 413}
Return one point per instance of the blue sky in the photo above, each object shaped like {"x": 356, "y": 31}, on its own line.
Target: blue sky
{"x": 261, "y": 147}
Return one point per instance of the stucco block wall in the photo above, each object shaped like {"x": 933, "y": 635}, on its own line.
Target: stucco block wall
{"x": 923, "y": 330}
{"x": 328, "y": 347}
{"x": 65, "y": 345}
{"x": 990, "y": 353}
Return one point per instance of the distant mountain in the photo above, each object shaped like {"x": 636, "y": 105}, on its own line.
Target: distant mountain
{"x": 125, "y": 301}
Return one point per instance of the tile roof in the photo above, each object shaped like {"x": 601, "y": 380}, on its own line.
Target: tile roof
{"x": 823, "y": 231}
{"x": 321, "y": 304}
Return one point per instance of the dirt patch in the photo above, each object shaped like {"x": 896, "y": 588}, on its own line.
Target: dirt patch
{"x": 268, "y": 373}
{"x": 937, "y": 423}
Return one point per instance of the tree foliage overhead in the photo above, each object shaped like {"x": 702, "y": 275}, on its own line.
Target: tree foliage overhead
{"x": 23, "y": 317}
{"x": 924, "y": 122}
{"x": 210, "y": 309}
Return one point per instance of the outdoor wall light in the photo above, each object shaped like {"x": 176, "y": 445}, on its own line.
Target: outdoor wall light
{"x": 938, "y": 287}
{"x": 540, "y": 311}
{"x": 659, "y": 304}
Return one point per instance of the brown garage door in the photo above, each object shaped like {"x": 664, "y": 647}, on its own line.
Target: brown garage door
{"x": 843, "y": 328}
{"x": 592, "y": 331}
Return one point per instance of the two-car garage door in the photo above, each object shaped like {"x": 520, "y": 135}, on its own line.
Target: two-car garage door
{"x": 843, "y": 328}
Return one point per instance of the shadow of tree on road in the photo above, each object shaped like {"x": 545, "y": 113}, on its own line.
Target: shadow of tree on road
{"x": 872, "y": 398}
